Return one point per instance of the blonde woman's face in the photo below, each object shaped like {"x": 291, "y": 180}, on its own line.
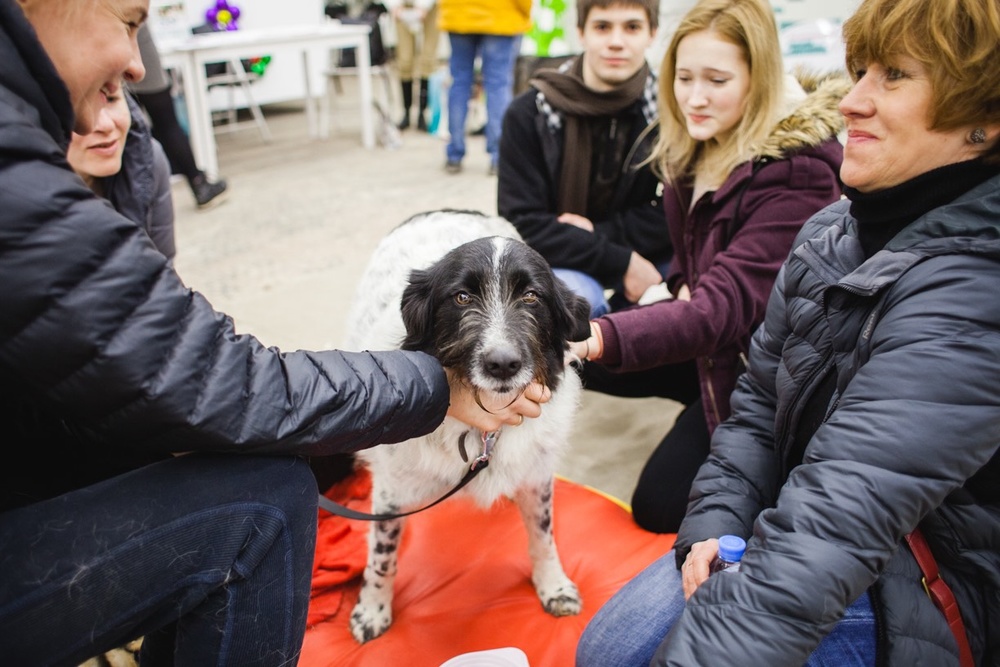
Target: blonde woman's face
{"x": 99, "y": 154}
{"x": 711, "y": 84}
{"x": 93, "y": 46}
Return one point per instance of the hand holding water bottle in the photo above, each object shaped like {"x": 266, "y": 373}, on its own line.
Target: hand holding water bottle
{"x": 701, "y": 561}
{"x": 731, "y": 548}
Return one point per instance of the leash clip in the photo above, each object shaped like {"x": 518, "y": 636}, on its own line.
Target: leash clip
{"x": 489, "y": 440}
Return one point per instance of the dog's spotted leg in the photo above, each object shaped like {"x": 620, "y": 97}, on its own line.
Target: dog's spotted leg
{"x": 558, "y": 594}
{"x": 372, "y": 614}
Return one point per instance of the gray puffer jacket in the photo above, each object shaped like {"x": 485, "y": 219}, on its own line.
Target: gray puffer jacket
{"x": 911, "y": 437}
{"x": 107, "y": 360}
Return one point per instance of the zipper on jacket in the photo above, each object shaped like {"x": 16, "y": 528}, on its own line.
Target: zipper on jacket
{"x": 819, "y": 370}
{"x": 639, "y": 140}
{"x": 711, "y": 390}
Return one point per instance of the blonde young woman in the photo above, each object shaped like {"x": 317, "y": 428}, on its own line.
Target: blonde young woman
{"x": 109, "y": 366}
{"x": 747, "y": 156}
{"x": 121, "y": 162}
{"x": 871, "y": 407}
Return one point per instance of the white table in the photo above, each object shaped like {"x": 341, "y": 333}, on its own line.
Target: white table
{"x": 193, "y": 53}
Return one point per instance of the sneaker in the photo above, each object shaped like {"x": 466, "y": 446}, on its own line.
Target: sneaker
{"x": 453, "y": 166}
{"x": 208, "y": 194}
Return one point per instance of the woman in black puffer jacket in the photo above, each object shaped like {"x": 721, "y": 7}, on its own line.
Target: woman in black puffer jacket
{"x": 109, "y": 365}
{"x": 871, "y": 406}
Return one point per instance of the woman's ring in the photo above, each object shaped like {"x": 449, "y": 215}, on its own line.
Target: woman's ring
{"x": 521, "y": 420}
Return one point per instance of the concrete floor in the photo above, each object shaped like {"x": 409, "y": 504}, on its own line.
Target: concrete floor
{"x": 283, "y": 254}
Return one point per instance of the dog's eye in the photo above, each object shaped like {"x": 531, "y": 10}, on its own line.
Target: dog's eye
{"x": 463, "y": 298}
{"x": 530, "y": 297}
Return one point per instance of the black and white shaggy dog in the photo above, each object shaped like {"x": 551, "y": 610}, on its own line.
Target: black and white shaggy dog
{"x": 463, "y": 287}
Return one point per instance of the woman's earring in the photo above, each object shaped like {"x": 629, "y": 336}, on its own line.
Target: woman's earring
{"x": 978, "y": 136}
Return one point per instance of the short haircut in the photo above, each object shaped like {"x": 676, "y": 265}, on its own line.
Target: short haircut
{"x": 750, "y": 26}
{"x": 956, "y": 41}
{"x": 651, "y": 7}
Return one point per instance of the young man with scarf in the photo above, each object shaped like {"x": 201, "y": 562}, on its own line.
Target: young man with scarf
{"x": 571, "y": 177}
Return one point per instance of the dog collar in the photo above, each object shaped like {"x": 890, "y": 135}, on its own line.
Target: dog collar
{"x": 483, "y": 460}
{"x": 489, "y": 440}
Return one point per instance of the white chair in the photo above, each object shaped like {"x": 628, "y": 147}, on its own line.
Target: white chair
{"x": 233, "y": 74}
{"x": 236, "y": 77}
{"x": 341, "y": 64}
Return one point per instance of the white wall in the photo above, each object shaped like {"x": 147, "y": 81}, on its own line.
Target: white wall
{"x": 283, "y": 79}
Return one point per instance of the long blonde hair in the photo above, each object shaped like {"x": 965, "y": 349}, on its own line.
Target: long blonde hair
{"x": 748, "y": 24}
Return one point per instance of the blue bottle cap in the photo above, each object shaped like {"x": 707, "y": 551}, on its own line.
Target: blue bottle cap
{"x": 731, "y": 548}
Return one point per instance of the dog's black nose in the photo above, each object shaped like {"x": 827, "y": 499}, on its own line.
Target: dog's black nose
{"x": 501, "y": 363}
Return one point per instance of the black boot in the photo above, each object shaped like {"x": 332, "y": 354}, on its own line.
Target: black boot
{"x": 208, "y": 193}
{"x": 407, "y": 103}
{"x": 422, "y": 106}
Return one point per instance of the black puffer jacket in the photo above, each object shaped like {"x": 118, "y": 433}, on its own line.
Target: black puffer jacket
{"x": 911, "y": 437}
{"x": 531, "y": 151}
{"x": 108, "y": 360}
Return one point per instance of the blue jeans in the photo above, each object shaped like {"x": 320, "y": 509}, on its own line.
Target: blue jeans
{"x": 209, "y": 557}
{"x": 630, "y": 627}
{"x": 498, "y": 54}
{"x": 583, "y": 284}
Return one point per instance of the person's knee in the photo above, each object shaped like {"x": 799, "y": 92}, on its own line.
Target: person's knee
{"x": 585, "y": 286}
{"x": 591, "y": 648}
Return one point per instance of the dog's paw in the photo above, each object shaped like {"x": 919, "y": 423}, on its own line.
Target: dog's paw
{"x": 367, "y": 624}
{"x": 562, "y": 600}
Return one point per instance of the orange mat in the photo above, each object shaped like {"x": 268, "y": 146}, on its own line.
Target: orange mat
{"x": 464, "y": 581}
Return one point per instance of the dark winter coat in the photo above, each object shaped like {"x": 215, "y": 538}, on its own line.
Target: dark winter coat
{"x": 531, "y": 150}
{"x": 728, "y": 250}
{"x": 107, "y": 360}
{"x": 911, "y": 437}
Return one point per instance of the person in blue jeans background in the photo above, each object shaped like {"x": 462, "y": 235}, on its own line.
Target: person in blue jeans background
{"x": 862, "y": 451}
{"x": 490, "y": 30}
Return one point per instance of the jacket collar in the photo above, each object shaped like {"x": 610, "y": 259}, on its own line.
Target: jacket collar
{"x": 968, "y": 225}
{"x": 812, "y": 121}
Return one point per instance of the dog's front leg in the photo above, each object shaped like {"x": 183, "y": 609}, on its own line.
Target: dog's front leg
{"x": 558, "y": 594}
{"x": 372, "y": 614}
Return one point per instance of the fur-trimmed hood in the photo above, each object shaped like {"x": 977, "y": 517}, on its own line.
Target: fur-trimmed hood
{"x": 813, "y": 120}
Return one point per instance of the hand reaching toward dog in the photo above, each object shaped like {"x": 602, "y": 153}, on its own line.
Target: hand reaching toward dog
{"x": 590, "y": 349}
{"x": 465, "y": 408}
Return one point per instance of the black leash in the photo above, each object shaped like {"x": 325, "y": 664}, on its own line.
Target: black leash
{"x": 480, "y": 463}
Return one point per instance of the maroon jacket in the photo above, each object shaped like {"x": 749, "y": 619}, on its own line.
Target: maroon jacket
{"x": 762, "y": 205}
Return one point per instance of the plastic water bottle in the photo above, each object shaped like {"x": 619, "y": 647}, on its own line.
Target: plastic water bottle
{"x": 731, "y": 548}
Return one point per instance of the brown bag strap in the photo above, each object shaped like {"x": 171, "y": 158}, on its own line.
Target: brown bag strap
{"x": 941, "y": 594}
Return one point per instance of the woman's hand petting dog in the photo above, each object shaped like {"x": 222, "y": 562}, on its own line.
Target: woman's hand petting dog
{"x": 465, "y": 408}
{"x": 590, "y": 349}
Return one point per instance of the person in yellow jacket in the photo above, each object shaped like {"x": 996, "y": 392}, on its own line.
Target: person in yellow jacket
{"x": 491, "y": 30}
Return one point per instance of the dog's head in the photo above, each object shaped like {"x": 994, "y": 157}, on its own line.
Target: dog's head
{"x": 492, "y": 309}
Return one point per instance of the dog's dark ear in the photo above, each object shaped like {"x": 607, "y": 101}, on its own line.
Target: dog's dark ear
{"x": 417, "y": 307}
{"x": 572, "y": 313}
